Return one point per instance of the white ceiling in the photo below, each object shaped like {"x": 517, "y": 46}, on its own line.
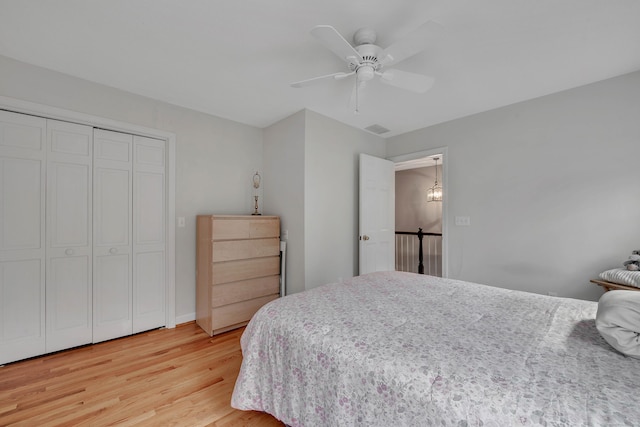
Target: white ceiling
{"x": 236, "y": 58}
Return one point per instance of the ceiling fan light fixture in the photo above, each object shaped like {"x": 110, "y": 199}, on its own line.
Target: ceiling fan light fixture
{"x": 365, "y": 73}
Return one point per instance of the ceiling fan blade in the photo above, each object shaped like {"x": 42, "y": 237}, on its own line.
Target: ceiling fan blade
{"x": 404, "y": 80}
{"x": 309, "y": 82}
{"x": 414, "y": 42}
{"x": 333, "y": 40}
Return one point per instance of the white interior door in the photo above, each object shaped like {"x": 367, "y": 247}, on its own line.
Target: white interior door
{"x": 112, "y": 207}
{"x": 22, "y": 236}
{"x": 149, "y": 225}
{"x": 377, "y": 214}
{"x": 69, "y": 229}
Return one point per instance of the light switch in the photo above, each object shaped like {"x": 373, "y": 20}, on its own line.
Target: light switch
{"x": 463, "y": 221}
{"x": 181, "y": 221}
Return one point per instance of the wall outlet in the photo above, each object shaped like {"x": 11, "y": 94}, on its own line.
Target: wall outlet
{"x": 285, "y": 235}
{"x": 463, "y": 221}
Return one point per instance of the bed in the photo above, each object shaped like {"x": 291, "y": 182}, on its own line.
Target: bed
{"x": 401, "y": 349}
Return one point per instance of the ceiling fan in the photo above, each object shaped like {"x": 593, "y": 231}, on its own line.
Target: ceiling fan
{"x": 367, "y": 61}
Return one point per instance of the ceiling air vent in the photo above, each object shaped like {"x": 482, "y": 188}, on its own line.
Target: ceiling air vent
{"x": 377, "y": 129}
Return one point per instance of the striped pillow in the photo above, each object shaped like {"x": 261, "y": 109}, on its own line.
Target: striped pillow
{"x": 622, "y": 276}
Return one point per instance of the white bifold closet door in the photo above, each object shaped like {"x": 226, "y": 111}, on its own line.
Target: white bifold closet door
{"x": 69, "y": 235}
{"x": 149, "y": 228}
{"x": 128, "y": 234}
{"x": 22, "y": 236}
{"x": 82, "y": 235}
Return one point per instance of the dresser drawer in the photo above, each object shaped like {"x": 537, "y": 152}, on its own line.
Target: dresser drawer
{"x": 232, "y": 314}
{"x": 234, "y": 271}
{"x": 230, "y": 228}
{"x": 229, "y": 293}
{"x": 231, "y": 250}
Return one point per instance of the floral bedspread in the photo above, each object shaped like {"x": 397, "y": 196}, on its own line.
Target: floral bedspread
{"x": 400, "y": 349}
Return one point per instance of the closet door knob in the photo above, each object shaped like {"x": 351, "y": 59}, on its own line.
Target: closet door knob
{"x": 113, "y": 250}
{"x": 69, "y": 252}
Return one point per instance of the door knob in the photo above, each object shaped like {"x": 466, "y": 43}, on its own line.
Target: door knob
{"x": 365, "y": 237}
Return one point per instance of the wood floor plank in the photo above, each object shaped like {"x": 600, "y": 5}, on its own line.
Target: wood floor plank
{"x": 167, "y": 377}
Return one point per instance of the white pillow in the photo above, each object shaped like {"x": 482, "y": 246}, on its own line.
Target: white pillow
{"x": 622, "y": 276}
{"x": 618, "y": 321}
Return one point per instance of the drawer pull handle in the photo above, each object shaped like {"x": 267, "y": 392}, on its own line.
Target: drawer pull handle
{"x": 113, "y": 250}
{"x": 69, "y": 252}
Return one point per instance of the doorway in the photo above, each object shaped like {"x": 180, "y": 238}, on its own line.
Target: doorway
{"x": 420, "y": 218}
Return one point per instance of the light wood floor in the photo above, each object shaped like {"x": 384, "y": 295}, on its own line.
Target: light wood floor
{"x": 179, "y": 377}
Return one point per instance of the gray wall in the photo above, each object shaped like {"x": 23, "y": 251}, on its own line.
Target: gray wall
{"x": 551, "y": 186}
{"x": 331, "y": 197}
{"x": 311, "y": 175}
{"x": 284, "y": 147}
{"x": 412, "y": 209}
{"x": 216, "y": 158}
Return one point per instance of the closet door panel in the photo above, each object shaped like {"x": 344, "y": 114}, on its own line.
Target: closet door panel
{"x": 18, "y": 324}
{"x": 113, "y": 207}
{"x": 21, "y": 203}
{"x": 149, "y": 291}
{"x": 112, "y": 289}
{"x": 149, "y": 224}
{"x": 149, "y": 152}
{"x": 69, "y": 223}
{"x": 69, "y": 138}
{"x": 112, "y": 244}
{"x": 113, "y": 146}
{"x": 69, "y": 313}
{"x": 22, "y": 332}
{"x": 149, "y": 234}
{"x": 22, "y": 238}
{"x": 69, "y": 205}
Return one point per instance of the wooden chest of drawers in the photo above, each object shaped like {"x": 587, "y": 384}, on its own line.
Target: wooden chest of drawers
{"x": 238, "y": 269}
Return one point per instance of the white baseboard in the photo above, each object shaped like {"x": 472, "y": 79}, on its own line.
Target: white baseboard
{"x": 185, "y": 318}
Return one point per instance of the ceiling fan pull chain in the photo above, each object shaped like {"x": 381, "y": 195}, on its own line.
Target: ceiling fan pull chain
{"x": 357, "y": 96}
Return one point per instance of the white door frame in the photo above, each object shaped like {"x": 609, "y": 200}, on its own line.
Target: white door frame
{"x": 445, "y": 196}
{"x": 45, "y": 111}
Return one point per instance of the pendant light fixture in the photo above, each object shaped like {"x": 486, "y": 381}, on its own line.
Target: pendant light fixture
{"x": 434, "y": 194}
